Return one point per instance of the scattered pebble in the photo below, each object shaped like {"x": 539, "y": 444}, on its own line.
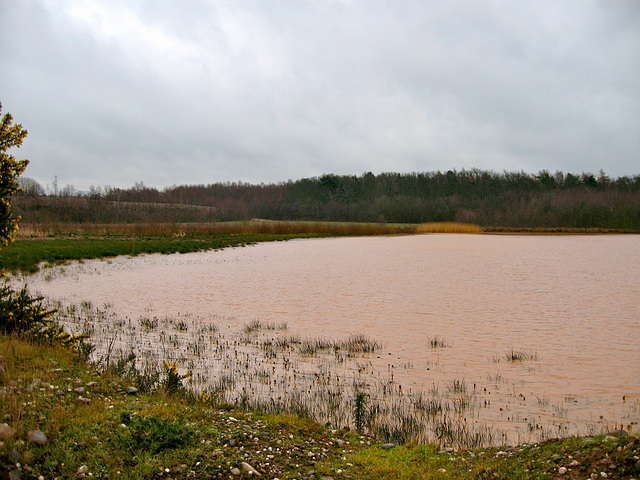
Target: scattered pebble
{"x": 6, "y": 431}
{"x": 36, "y": 436}
{"x": 250, "y": 470}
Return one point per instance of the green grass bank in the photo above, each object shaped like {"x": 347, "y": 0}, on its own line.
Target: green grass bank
{"x": 60, "y": 243}
{"x": 26, "y": 255}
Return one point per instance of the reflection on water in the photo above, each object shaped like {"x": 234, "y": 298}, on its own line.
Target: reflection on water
{"x": 570, "y": 304}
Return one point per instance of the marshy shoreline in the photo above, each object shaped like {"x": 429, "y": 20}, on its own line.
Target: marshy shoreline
{"x": 64, "y": 418}
{"x": 335, "y": 391}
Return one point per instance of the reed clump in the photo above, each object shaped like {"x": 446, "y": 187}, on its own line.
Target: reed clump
{"x": 257, "y": 325}
{"x": 438, "y": 342}
{"x": 520, "y": 355}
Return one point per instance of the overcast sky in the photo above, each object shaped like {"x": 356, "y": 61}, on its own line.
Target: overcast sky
{"x": 168, "y": 92}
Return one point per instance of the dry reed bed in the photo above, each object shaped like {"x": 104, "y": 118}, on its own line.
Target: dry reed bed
{"x": 212, "y": 229}
{"x": 230, "y": 228}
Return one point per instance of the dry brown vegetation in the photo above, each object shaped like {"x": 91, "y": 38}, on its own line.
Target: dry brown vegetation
{"x": 214, "y": 228}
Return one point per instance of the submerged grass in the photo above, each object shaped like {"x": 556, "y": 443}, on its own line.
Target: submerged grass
{"x": 96, "y": 426}
{"x": 438, "y": 342}
{"x": 520, "y": 355}
{"x": 257, "y": 325}
{"x": 113, "y": 434}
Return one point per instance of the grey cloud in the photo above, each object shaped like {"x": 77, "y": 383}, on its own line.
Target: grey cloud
{"x": 198, "y": 92}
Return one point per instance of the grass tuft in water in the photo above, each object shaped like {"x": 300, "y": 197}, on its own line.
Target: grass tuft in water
{"x": 520, "y": 355}
{"x": 438, "y": 342}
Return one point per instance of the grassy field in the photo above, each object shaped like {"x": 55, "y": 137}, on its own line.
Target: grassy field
{"x": 63, "y": 418}
{"x": 26, "y": 254}
{"x": 59, "y": 243}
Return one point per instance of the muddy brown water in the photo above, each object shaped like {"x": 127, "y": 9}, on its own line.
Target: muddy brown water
{"x": 571, "y": 304}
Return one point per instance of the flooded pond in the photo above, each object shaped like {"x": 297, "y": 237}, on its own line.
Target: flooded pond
{"x": 483, "y": 338}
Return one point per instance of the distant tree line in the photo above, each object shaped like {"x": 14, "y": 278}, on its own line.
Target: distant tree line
{"x": 487, "y": 198}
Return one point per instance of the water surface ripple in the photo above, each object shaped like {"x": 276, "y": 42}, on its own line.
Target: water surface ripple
{"x": 572, "y": 301}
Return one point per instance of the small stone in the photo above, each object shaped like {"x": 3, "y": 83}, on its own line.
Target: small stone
{"x": 79, "y": 390}
{"x": 250, "y": 470}
{"x": 235, "y": 471}
{"x": 340, "y": 442}
{"x": 131, "y": 390}
{"x": 609, "y": 438}
{"x": 604, "y": 475}
{"x": 92, "y": 384}
{"x": 36, "y": 436}
{"x": 83, "y": 400}
{"x": 388, "y": 446}
{"x": 6, "y": 431}
{"x": 83, "y": 469}
{"x": 59, "y": 393}
{"x": 14, "y": 455}
{"x": 562, "y": 470}
{"x": 14, "y": 475}
{"x": 574, "y": 463}
{"x": 232, "y": 442}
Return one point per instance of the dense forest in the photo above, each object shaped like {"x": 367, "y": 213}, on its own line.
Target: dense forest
{"x": 486, "y": 198}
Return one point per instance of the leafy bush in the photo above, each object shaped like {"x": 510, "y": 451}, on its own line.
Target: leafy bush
{"x": 173, "y": 380}
{"x": 153, "y": 434}
{"x": 21, "y": 313}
